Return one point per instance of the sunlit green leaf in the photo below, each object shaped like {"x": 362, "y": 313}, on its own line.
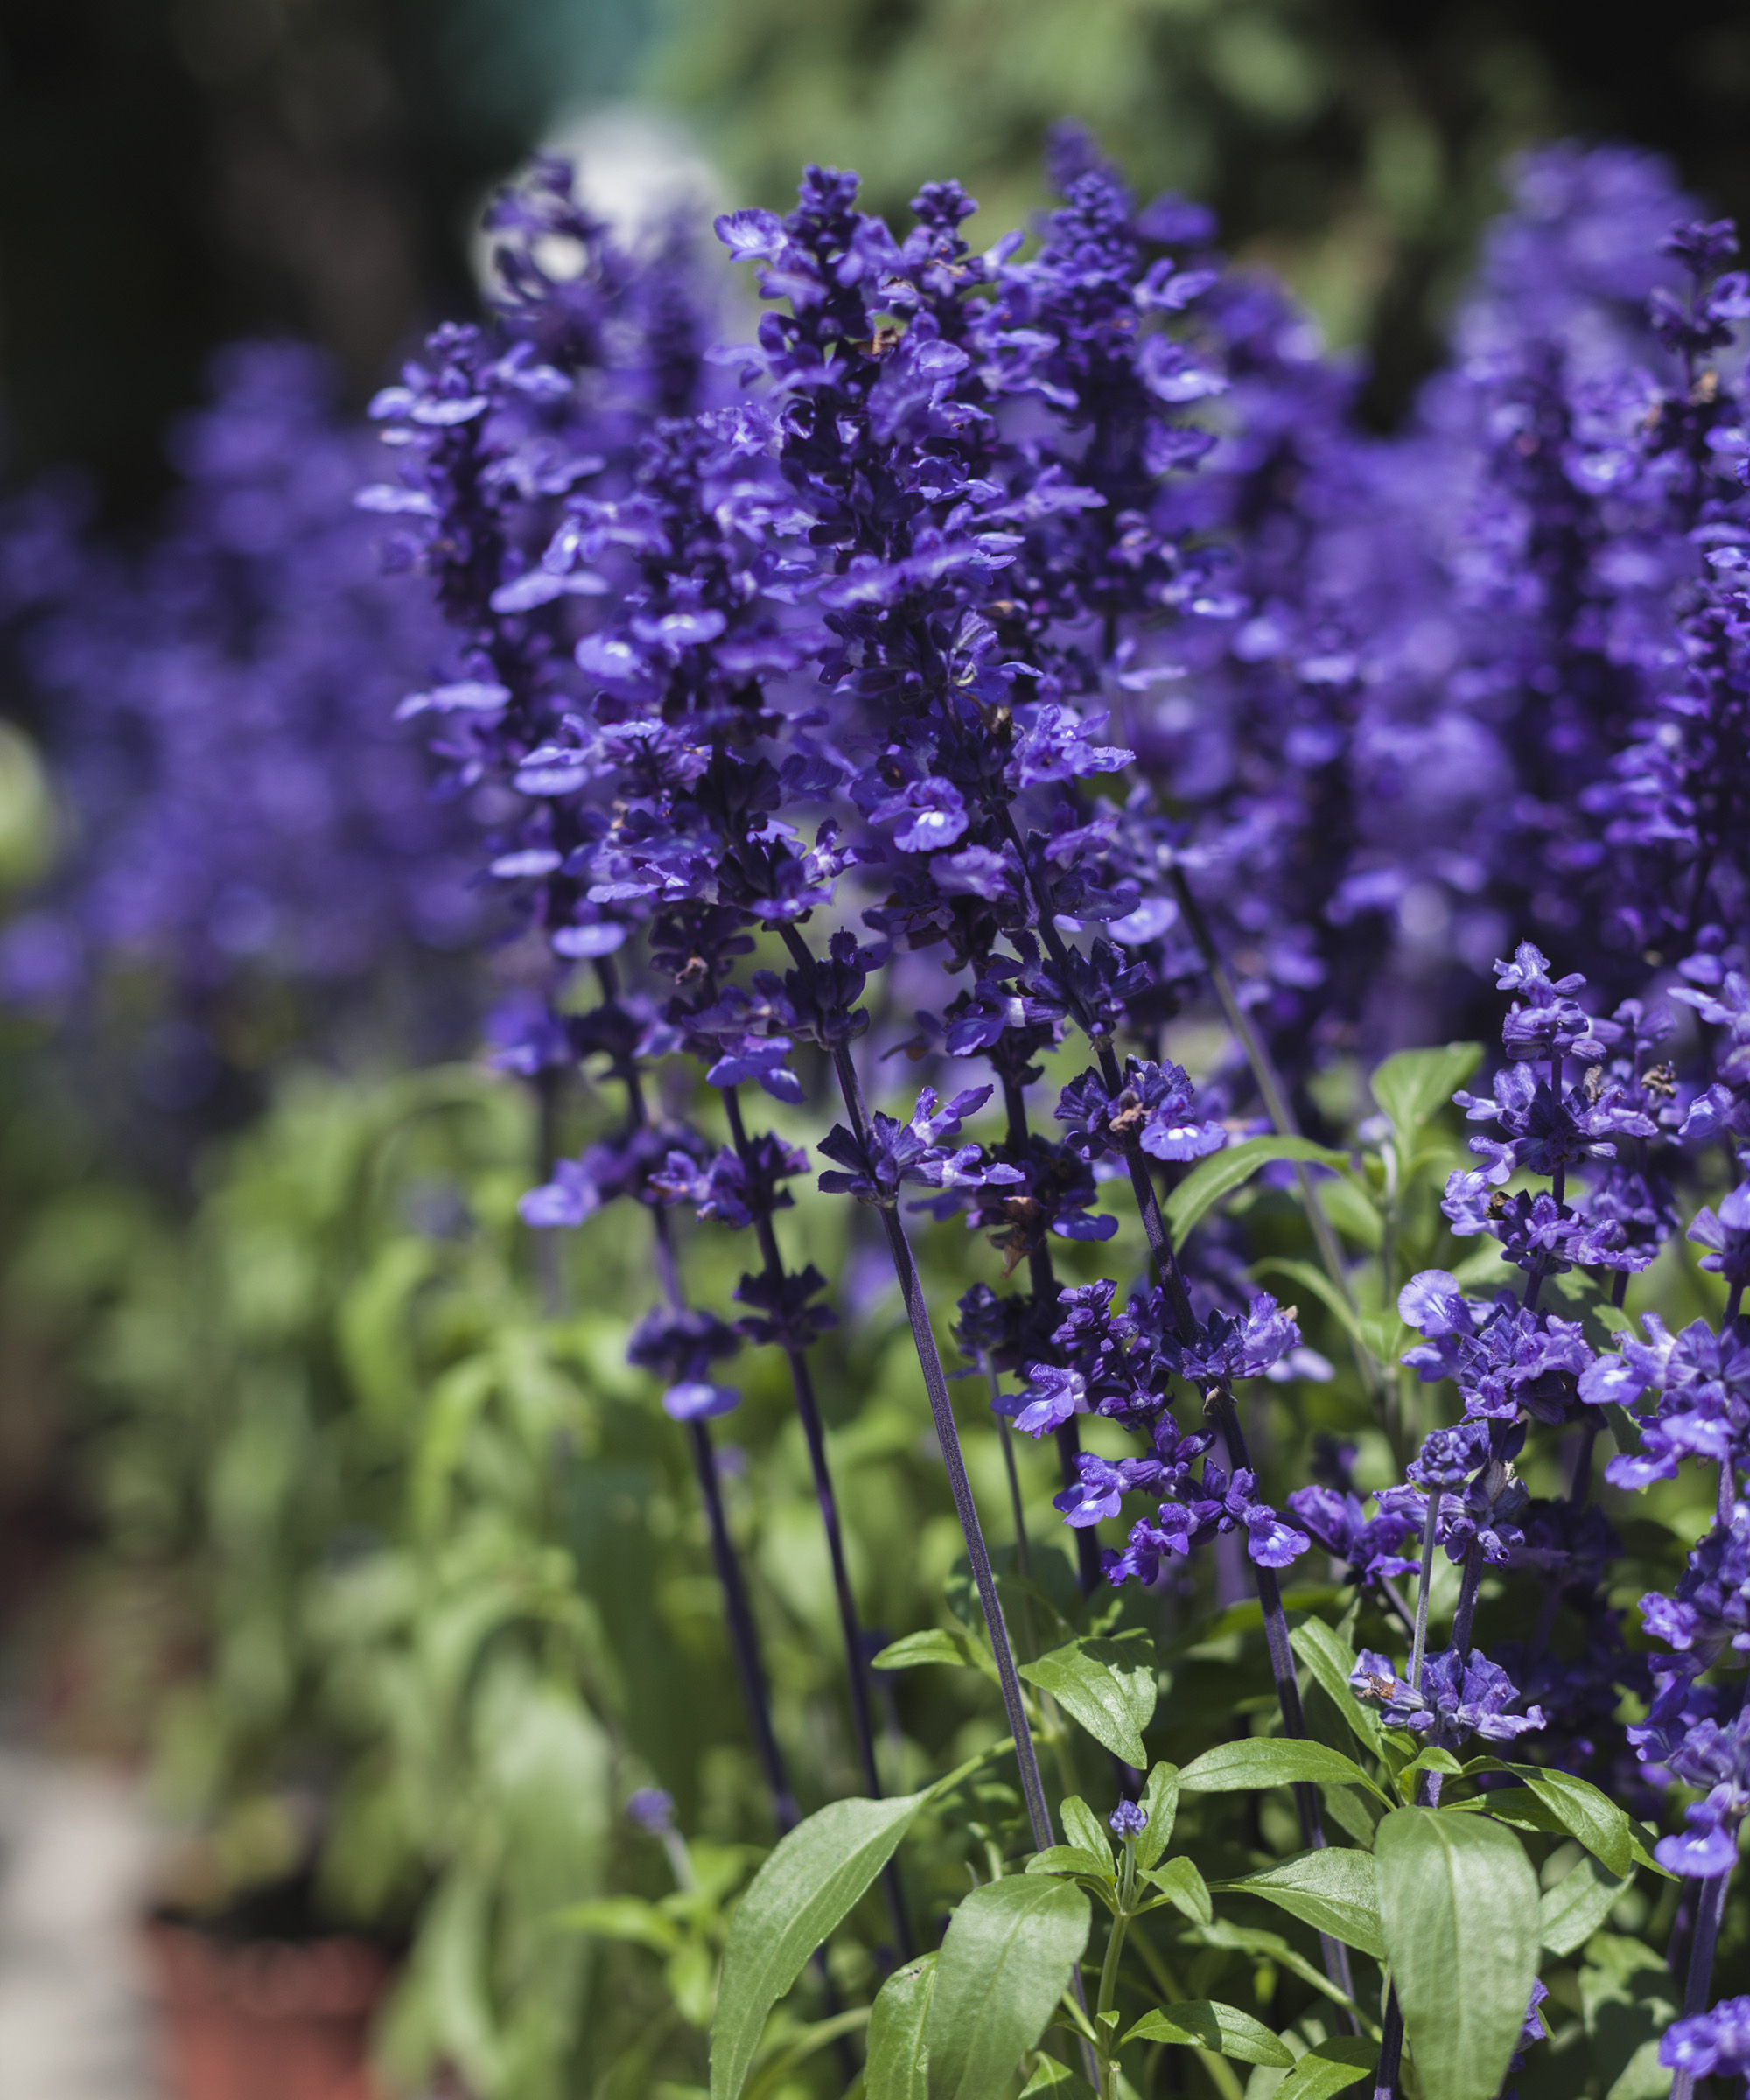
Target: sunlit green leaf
{"x": 1201, "y": 2023}
{"x": 1003, "y": 1964}
{"x": 1459, "y": 1902}
{"x": 1333, "y": 1889}
{"x": 803, "y": 1891}
{"x": 1110, "y": 1686}
{"x": 898, "y": 2067}
{"x": 1270, "y": 1761}
{"x": 1414, "y": 1085}
{"x": 1329, "y": 2067}
{"x": 1212, "y": 1178}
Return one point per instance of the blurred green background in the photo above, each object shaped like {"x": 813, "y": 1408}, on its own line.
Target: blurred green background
{"x": 174, "y": 172}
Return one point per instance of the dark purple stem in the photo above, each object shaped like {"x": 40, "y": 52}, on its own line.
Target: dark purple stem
{"x": 743, "y": 1638}
{"x": 948, "y": 1437}
{"x": 814, "y": 1431}
{"x": 1042, "y": 1275}
{"x": 1710, "y": 1907}
{"x": 743, "y": 1634}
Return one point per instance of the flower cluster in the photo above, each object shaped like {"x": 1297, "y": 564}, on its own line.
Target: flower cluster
{"x": 219, "y": 712}
{"x": 1002, "y": 652}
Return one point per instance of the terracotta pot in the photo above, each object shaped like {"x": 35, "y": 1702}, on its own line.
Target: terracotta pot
{"x": 266, "y": 2020}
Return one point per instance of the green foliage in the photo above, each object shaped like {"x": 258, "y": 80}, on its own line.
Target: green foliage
{"x": 1270, "y": 1761}
{"x": 1201, "y": 2024}
{"x": 1108, "y": 1686}
{"x": 442, "y": 1564}
{"x": 1215, "y": 1177}
{"x": 802, "y": 1893}
{"x": 1003, "y": 1963}
{"x": 898, "y": 2066}
{"x": 1416, "y": 1085}
{"x": 1459, "y": 1902}
{"x": 1332, "y": 1890}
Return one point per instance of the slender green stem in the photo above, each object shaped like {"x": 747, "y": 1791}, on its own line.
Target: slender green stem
{"x": 1108, "y": 1991}
{"x": 1221, "y": 2072}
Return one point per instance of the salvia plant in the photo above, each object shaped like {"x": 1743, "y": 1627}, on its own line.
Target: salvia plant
{"x": 896, "y": 721}
{"x": 997, "y": 658}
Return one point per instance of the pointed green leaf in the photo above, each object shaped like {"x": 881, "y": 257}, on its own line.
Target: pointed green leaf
{"x": 803, "y": 1891}
{"x": 1432, "y": 1758}
{"x": 1271, "y": 1761}
{"x": 1459, "y": 1902}
{"x": 898, "y": 2067}
{"x": 1059, "y": 2081}
{"x": 1071, "y": 1859}
{"x": 1527, "y": 1810}
{"x": 1160, "y": 1803}
{"x": 1343, "y": 2060}
{"x": 1355, "y": 1815}
{"x": 1334, "y": 1890}
{"x": 621, "y": 1918}
{"x": 1110, "y": 1686}
{"x": 1084, "y": 1829}
{"x": 1351, "y": 1209}
{"x": 1416, "y": 1084}
{"x": 1201, "y": 2023}
{"x": 1584, "y": 1812}
{"x": 1570, "y": 1912}
{"x": 1211, "y": 1178}
{"x": 1004, "y": 1965}
{"x": 935, "y": 1644}
{"x": 1329, "y": 1659}
{"x": 1181, "y": 1882}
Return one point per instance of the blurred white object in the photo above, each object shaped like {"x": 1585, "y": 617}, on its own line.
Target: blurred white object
{"x": 76, "y": 1854}
{"x": 637, "y": 169}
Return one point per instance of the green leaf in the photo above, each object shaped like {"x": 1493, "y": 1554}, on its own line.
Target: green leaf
{"x": 1459, "y": 1902}
{"x": 935, "y": 1644}
{"x": 1329, "y": 2067}
{"x": 1008, "y": 1955}
{"x": 1059, "y": 2080}
{"x": 1071, "y": 1859}
{"x": 801, "y": 1893}
{"x": 1525, "y": 1811}
{"x": 1571, "y": 1911}
{"x": 1430, "y": 1758}
{"x": 1334, "y": 1890}
{"x": 1353, "y": 1211}
{"x": 1330, "y": 1659}
{"x": 1083, "y": 1828}
{"x": 1211, "y": 1178}
{"x": 1183, "y": 1886}
{"x": 1160, "y": 1801}
{"x": 1355, "y": 1815}
{"x": 898, "y": 2066}
{"x": 1273, "y": 1760}
{"x": 1415, "y": 1084}
{"x": 1584, "y": 1812}
{"x": 1201, "y": 2023}
{"x": 621, "y": 1918}
{"x": 1110, "y": 1686}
